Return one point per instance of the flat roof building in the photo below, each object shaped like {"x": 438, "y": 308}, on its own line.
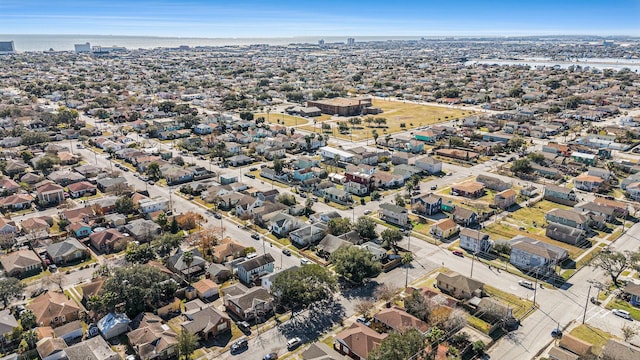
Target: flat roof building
{"x": 7, "y": 47}
{"x": 341, "y": 106}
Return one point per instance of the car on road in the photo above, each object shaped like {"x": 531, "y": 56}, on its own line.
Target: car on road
{"x": 556, "y": 333}
{"x": 250, "y": 176}
{"x": 253, "y": 169}
{"x": 305, "y": 261}
{"x": 434, "y": 187}
{"x": 53, "y": 268}
{"x": 293, "y": 343}
{"x": 255, "y": 236}
{"x": 217, "y": 216}
{"x": 525, "y": 283}
{"x": 622, "y": 313}
{"x": 263, "y": 166}
{"x": 270, "y": 356}
{"x": 367, "y": 212}
{"x": 458, "y": 253}
{"x": 287, "y": 252}
{"x": 151, "y": 182}
{"x": 239, "y": 345}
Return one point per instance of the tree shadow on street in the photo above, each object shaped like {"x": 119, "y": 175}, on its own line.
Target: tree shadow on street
{"x": 359, "y": 292}
{"x": 321, "y": 317}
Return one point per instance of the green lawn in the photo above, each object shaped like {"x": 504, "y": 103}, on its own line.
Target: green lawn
{"x": 623, "y": 305}
{"x": 593, "y": 336}
{"x": 478, "y": 324}
{"x": 520, "y": 306}
{"x": 282, "y": 119}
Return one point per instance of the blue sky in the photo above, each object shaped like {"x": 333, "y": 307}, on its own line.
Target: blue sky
{"x": 229, "y": 18}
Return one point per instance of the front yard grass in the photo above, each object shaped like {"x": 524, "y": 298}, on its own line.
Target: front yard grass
{"x": 623, "y": 305}
{"x": 593, "y": 336}
{"x": 520, "y": 306}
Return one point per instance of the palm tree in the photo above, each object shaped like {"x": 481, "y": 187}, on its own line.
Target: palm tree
{"x": 375, "y": 136}
{"x": 407, "y": 258}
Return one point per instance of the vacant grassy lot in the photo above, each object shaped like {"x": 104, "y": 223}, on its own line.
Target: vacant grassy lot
{"x": 283, "y": 119}
{"x": 592, "y": 335}
{"x": 507, "y": 232}
{"x": 519, "y": 306}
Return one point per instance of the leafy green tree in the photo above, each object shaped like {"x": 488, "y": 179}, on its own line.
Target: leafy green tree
{"x": 26, "y": 156}
{"x": 354, "y": 263}
{"x": 246, "y": 115}
{"x": 174, "y": 225}
{"x": 153, "y": 171}
{"x": 27, "y": 319}
{"x": 399, "y": 346}
{"x": 187, "y": 258}
{"x": 615, "y": 262}
{"x": 277, "y": 166}
{"x": 536, "y": 158}
{"x": 339, "y": 226}
{"x": 365, "y": 227}
{"x": 46, "y": 163}
{"x": 166, "y": 243}
{"x": 479, "y": 347}
{"x": 187, "y": 344}
{"x": 301, "y": 287}
{"x": 32, "y": 138}
{"x": 124, "y": 205}
{"x": 10, "y": 288}
{"x": 521, "y": 166}
{"x": 139, "y": 254}
{"x": 399, "y": 200}
{"x": 286, "y": 199}
{"x": 375, "y": 195}
{"x": 391, "y": 237}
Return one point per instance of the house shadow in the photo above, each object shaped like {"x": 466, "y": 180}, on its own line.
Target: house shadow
{"x": 513, "y": 208}
{"x": 321, "y": 317}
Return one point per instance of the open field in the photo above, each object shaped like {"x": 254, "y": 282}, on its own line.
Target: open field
{"x": 396, "y": 113}
{"x": 282, "y": 119}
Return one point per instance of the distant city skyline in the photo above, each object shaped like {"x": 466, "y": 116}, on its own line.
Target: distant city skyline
{"x": 201, "y": 18}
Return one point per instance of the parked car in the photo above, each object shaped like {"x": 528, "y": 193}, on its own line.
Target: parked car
{"x": 622, "y": 313}
{"x": 239, "y": 345}
{"x": 255, "y": 236}
{"x": 217, "y": 216}
{"x": 244, "y": 326}
{"x": 458, "y": 253}
{"x": 53, "y": 268}
{"x": 556, "y": 333}
{"x": 305, "y": 261}
{"x": 253, "y": 169}
{"x": 367, "y": 212}
{"x": 363, "y": 320}
{"x": 287, "y": 252}
{"x": 270, "y": 356}
{"x": 39, "y": 292}
{"x": 250, "y": 176}
{"x": 527, "y": 284}
{"x": 434, "y": 187}
{"x": 293, "y": 343}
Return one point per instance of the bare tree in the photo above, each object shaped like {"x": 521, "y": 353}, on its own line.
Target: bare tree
{"x": 57, "y": 279}
{"x": 386, "y": 293}
{"x": 457, "y": 320}
{"x": 365, "y": 308}
{"x": 629, "y": 331}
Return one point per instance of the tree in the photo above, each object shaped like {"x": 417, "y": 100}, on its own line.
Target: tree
{"x": 27, "y": 319}
{"x": 391, "y": 237}
{"x": 354, "y": 263}
{"x": 419, "y": 306}
{"x": 375, "y": 195}
{"x": 457, "y": 320}
{"x": 174, "y": 225}
{"x": 166, "y": 243}
{"x": 187, "y": 344}
{"x": 375, "y": 135}
{"x": 246, "y": 115}
{"x": 339, "y": 226}
{"x": 365, "y": 308}
{"x": 536, "y": 158}
{"x": 139, "y": 254}
{"x": 124, "y": 205}
{"x": 521, "y": 166}
{"x": 628, "y": 331}
{"x": 286, "y": 199}
{"x": 399, "y": 200}
{"x": 479, "y": 347}
{"x": 277, "y": 166}
{"x": 399, "y": 346}
{"x": 46, "y": 163}
{"x": 615, "y": 262}
{"x": 385, "y": 293}
{"x": 365, "y": 227}
{"x": 301, "y": 287}
{"x": 10, "y": 288}
{"x": 153, "y": 171}
{"x": 57, "y": 279}
{"x": 187, "y": 258}
{"x": 407, "y": 258}
{"x": 502, "y": 247}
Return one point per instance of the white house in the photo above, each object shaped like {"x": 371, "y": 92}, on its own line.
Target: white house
{"x": 154, "y": 204}
{"x": 113, "y": 325}
{"x": 429, "y": 164}
{"x": 475, "y": 241}
{"x": 329, "y": 152}
{"x": 535, "y": 255}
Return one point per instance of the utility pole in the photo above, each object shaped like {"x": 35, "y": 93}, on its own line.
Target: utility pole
{"x": 473, "y": 258}
{"x": 586, "y": 304}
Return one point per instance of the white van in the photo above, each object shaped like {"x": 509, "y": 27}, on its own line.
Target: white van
{"x": 251, "y": 255}
{"x": 527, "y": 284}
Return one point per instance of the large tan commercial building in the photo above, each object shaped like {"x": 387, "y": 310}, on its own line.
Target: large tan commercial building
{"x": 344, "y": 107}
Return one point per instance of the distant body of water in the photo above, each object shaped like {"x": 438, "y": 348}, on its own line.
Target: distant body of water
{"x": 66, "y": 42}
{"x": 594, "y": 63}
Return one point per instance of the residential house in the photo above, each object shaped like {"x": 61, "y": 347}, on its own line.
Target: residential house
{"x": 588, "y": 182}
{"x": 79, "y": 229}
{"x": 535, "y": 255}
{"x": 429, "y": 164}
{"x": 358, "y": 341}
{"x": 206, "y": 289}
{"x": 247, "y": 205}
{"x": 67, "y": 251}
{"x": 475, "y": 241}
{"x": 95, "y": 348}
{"x": 142, "y": 230}
{"x": 36, "y": 227}
{"x": 107, "y": 185}
{"x": 207, "y": 323}
{"x": 83, "y": 214}
{"x": 109, "y": 240}
{"x": 336, "y": 195}
{"x": 113, "y": 324}
{"x": 151, "y": 339}
{"x": 218, "y": 273}
{"x": 91, "y": 289}
{"x": 316, "y": 351}
{"x": 8, "y": 186}
{"x": 51, "y": 348}
{"x": 444, "y": 228}
{"x": 564, "y": 233}
{"x": 50, "y": 193}
{"x": 21, "y": 263}
{"x": 394, "y": 214}
{"x": 378, "y": 253}
{"x": 570, "y": 348}
{"x": 309, "y": 234}
{"x": 632, "y": 289}
{"x": 570, "y": 218}
{"x": 227, "y": 250}
{"x": 505, "y": 199}
{"x": 427, "y": 204}
{"x": 82, "y": 188}
{"x": 589, "y": 159}
{"x": 464, "y": 216}
{"x": 401, "y": 157}
{"x": 250, "y": 271}
{"x": 248, "y": 304}
{"x": 157, "y": 203}
{"x": 618, "y": 350}
{"x": 459, "y": 286}
{"x": 559, "y": 194}
{"x": 282, "y": 224}
{"x": 16, "y": 202}
{"x": 591, "y": 208}
{"x": 65, "y": 177}
{"x": 53, "y": 309}
{"x": 7, "y": 324}
{"x": 397, "y": 319}
{"x": 493, "y": 183}
{"x": 470, "y": 189}
{"x": 8, "y": 228}
{"x": 177, "y": 263}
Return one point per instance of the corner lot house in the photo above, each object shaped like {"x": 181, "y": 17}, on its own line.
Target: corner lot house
{"x": 358, "y": 341}
{"x": 54, "y": 309}
{"x": 394, "y": 214}
{"x": 67, "y": 251}
{"x": 21, "y": 263}
{"x": 459, "y": 286}
{"x": 475, "y": 240}
{"x": 535, "y": 255}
